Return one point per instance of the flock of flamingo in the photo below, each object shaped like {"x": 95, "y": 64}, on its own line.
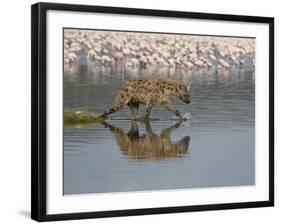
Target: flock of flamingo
{"x": 133, "y": 50}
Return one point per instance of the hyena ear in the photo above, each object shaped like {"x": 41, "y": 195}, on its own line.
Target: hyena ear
{"x": 180, "y": 87}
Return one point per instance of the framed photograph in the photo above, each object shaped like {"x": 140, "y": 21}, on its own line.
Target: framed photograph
{"x": 140, "y": 111}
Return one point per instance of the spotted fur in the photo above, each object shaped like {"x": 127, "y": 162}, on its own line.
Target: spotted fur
{"x": 149, "y": 93}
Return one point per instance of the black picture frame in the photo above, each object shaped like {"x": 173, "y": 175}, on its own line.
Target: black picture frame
{"x": 38, "y": 108}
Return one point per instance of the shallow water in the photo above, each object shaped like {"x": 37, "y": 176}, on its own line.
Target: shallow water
{"x": 214, "y": 149}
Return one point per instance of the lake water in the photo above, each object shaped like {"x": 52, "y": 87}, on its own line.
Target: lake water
{"x": 216, "y": 148}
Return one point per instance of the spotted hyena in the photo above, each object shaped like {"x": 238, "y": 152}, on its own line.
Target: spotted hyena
{"x": 149, "y": 93}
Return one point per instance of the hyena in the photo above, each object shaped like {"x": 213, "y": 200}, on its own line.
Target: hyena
{"x": 149, "y": 145}
{"x": 149, "y": 93}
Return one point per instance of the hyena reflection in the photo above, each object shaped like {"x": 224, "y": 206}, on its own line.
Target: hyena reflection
{"x": 149, "y": 145}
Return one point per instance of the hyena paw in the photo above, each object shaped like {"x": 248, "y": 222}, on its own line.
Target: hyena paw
{"x": 143, "y": 118}
{"x": 182, "y": 118}
{"x": 103, "y": 116}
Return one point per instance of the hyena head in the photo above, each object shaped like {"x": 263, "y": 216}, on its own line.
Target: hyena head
{"x": 184, "y": 92}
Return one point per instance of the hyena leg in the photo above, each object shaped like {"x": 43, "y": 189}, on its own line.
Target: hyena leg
{"x": 172, "y": 109}
{"x": 118, "y": 105}
{"x": 149, "y": 107}
{"x": 148, "y": 128}
{"x": 113, "y": 109}
{"x": 149, "y": 132}
{"x": 134, "y": 109}
{"x": 134, "y": 131}
{"x": 168, "y": 131}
